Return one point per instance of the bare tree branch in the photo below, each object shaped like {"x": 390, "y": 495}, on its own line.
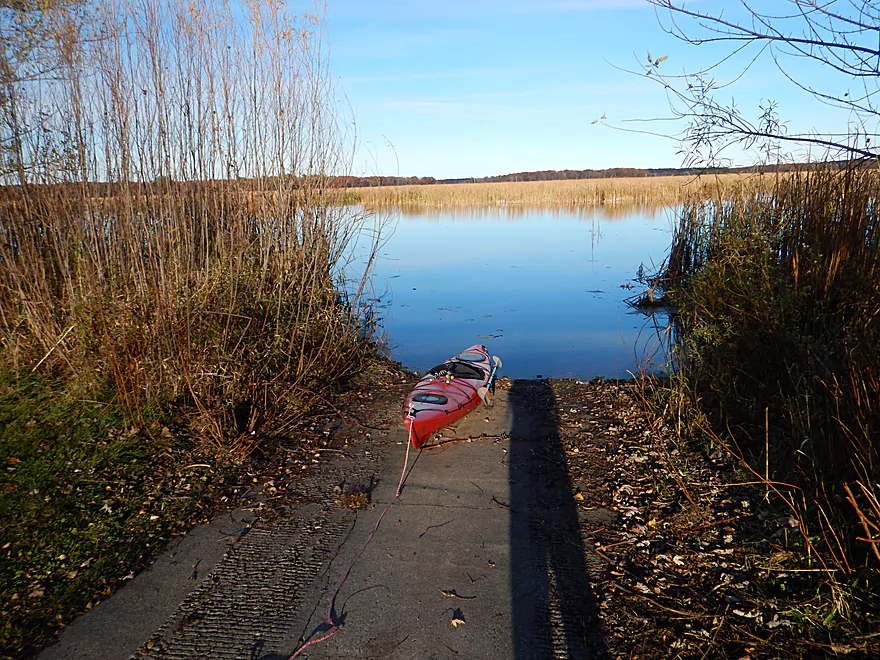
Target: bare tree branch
{"x": 841, "y": 36}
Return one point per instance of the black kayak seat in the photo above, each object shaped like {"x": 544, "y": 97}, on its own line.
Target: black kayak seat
{"x": 458, "y": 370}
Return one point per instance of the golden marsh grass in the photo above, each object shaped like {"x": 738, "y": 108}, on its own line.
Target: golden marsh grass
{"x": 625, "y": 192}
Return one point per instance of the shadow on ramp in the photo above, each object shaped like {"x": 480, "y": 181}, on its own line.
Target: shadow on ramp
{"x": 554, "y": 609}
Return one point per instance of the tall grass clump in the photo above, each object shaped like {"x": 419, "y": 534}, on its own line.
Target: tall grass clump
{"x": 164, "y": 231}
{"x": 779, "y": 311}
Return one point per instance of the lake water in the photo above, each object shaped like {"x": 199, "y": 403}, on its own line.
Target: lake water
{"x": 542, "y": 289}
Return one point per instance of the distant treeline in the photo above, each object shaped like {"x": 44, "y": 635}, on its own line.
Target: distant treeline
{"x": 557, "y": 175}
{"x": 166, "y": 185}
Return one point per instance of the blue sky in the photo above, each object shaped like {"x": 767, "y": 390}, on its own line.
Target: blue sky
{"x": 466, "y": 88}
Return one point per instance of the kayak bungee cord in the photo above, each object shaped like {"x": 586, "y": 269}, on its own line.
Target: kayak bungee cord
{"x": 334, "y": 626}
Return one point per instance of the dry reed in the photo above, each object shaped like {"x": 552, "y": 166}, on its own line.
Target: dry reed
{"x": 165, "y": 235}
{"x": 612, "y": 192}
{"x": 778, "y": 298}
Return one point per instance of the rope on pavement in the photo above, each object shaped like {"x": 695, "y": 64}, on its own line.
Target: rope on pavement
{"x": 331, "y": 613}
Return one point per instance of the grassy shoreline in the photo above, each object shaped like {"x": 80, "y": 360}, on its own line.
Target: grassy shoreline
{"x": 166, "y": 249}
{"x": 87, "y": 498}
{"x": 91, "y": 491}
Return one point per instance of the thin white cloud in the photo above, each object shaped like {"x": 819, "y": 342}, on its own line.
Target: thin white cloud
{"x": 563, "y": 6}
{"x": 548, "y": 95}
{"x": 458, "y": 110}
{"x": 478, "y": 73}
{"x": 403, "y": 10}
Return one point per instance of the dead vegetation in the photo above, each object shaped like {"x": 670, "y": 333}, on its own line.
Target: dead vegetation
{"x": 166, "y": 241}
{"x": 690, "y": 556}
{"x": 176, "y": 290}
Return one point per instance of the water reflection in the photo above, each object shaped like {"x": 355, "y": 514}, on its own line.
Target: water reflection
{"x": 543, "y": 288}
{"x": 517, "y": 211}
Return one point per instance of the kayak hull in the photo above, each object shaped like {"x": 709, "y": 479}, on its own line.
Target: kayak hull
{"x": 447, "y": 393}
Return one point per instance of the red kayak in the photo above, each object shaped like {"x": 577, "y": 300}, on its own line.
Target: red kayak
{"x": 449, "y": 391}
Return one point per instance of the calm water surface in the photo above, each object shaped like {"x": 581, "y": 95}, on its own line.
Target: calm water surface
{"x": 542, "y": 289}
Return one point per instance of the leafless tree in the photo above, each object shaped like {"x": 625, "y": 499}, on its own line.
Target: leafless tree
{"x": 839, "y": 37}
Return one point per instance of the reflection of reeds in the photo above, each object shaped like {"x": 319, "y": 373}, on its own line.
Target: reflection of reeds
{"x": 778, "y": 297}
{"x": 153, "y": 241}
{"x": 514, "y": 212}
{"x": 622, "y": 193}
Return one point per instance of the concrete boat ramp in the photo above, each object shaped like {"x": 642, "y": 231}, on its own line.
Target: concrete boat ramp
{"x": 480, "y": 557}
